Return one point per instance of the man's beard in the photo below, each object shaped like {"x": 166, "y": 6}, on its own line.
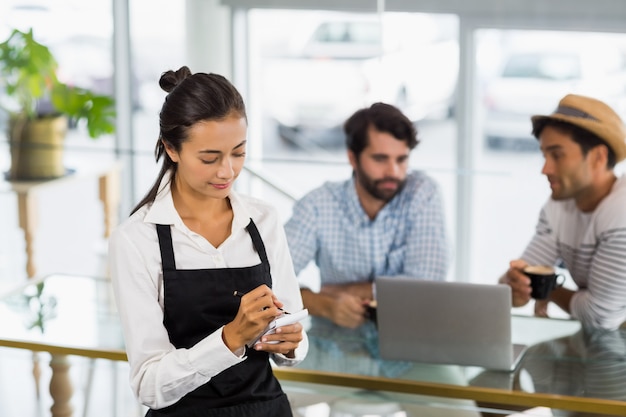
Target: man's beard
{"x": 373, "y": 186}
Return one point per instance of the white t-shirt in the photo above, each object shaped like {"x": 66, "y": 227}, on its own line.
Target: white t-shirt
{"x": 592, "y": 246}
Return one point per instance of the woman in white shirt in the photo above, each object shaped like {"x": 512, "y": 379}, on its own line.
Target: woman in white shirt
{"x": 199, "y": 271}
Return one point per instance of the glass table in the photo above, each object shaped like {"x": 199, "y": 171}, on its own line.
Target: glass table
{"x": 571, "y": 371}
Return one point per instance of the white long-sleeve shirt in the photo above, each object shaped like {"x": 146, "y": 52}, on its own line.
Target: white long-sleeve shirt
{"x": 592, "y": 246}
{"x": 160, "y": 374}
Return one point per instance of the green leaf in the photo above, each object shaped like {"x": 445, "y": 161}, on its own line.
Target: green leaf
{"x": 28, "y": 71}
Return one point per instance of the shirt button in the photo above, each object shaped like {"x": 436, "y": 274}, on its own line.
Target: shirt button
{"x": 219, "y": 260}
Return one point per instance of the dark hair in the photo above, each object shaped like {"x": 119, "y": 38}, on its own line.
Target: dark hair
{"x": 191, "y": 98}
{"x": 383, "y": 117}
{"x": 584, "y": 138}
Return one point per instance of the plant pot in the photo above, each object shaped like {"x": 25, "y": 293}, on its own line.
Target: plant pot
{"x": 37, "y": 148}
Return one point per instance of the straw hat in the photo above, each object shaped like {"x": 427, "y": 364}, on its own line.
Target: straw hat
{"x": 592, "y": 115}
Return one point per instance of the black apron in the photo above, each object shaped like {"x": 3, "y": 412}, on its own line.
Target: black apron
{"x": 197, "y": 303}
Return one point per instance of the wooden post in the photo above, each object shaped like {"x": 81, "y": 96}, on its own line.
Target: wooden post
{"x": 27, "y": 212}
{"x": 109, "y": 184}
{"x": 61, "y": 387}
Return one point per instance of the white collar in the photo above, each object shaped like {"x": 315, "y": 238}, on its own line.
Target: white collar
{"x": 162, "y": 210}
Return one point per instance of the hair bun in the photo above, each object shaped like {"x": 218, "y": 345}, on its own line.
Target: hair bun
{"x": 170, "y": 79}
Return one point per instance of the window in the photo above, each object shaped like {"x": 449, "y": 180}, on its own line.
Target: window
{"x": 310, "y": 70}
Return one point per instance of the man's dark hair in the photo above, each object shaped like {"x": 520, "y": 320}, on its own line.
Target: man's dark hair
{"x": 584, "y": 138}
{"x": 384, "y": 118}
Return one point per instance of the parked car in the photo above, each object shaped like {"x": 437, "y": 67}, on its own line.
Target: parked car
{"x": 535, "y": 78}
{"x": 348, "y": 61}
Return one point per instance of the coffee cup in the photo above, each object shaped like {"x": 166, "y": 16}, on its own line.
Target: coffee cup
{"x": 370, "y": 311}
{"x": 543, "y": 279}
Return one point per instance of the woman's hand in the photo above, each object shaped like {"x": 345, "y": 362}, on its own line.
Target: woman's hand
{"x": 256, "y": 310}
{"x": 285, "y": 340}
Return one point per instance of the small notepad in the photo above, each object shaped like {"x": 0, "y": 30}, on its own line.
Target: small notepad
{"x": 283, "y": 320}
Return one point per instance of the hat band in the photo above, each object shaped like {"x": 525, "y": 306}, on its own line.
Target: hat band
{"x": 570, "y": 111}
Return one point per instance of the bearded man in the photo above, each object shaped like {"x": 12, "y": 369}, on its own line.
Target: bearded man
{"x": 385, "y": 220}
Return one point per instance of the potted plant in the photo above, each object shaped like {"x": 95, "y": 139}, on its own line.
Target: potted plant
{"x": 40, "y": 108}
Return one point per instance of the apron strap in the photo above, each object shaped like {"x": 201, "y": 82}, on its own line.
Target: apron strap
{"x": 165, "y": 244}
{"x": 258, "y": 244}
{"x": 167, "y": 251}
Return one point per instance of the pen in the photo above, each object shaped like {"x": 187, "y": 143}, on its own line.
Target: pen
{"x": 241, "y": 294}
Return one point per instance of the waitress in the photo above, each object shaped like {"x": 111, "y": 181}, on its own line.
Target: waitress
{"x": 189, "y": 247}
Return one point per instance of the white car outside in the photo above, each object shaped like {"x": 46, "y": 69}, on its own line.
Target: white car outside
{"x": 348, "y": 61}
{"x": 534, "y": 78}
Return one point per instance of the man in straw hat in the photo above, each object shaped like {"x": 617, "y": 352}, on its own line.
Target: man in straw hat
{"x": 582, "y": 227}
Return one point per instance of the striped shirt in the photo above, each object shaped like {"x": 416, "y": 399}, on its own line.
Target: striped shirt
{"x": 592, "y": 246}
{"x": 407, "y": 237}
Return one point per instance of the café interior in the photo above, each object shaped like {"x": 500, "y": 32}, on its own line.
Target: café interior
{"x": 302, "y": 67}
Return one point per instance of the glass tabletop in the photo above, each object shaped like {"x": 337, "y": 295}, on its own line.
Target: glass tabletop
{"x": 63, "y": 314}
{"x": 561, "y": 358}
{"x": 77, "y": 315}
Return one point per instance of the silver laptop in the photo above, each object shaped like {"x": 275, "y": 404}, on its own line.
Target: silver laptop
{"x": 446, "y": 322}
